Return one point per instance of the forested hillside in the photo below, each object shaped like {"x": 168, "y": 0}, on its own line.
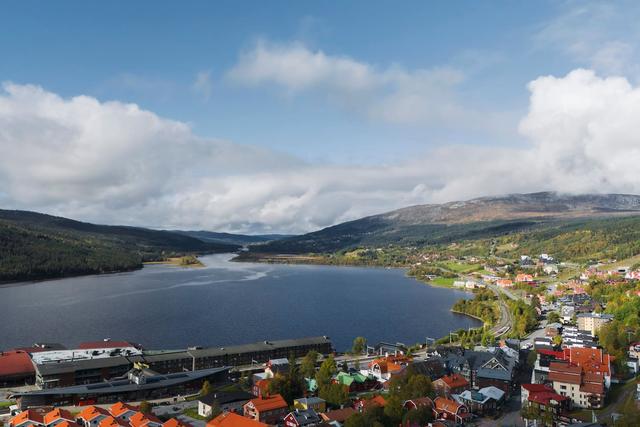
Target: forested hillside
{"x": 37, "y": 246}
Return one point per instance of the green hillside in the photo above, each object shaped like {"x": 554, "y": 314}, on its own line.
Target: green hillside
{"x": 36, "y": 246}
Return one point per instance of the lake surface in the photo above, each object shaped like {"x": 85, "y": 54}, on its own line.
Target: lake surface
{"x": 228, "y": 303}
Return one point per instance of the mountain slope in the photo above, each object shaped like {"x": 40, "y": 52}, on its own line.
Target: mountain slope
{"x": 37, "y": 246}
{"x": 450, "y": 222}
{"x": 230, "y": 238}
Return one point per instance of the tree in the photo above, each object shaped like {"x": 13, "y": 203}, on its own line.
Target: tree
{"x": 335, "y": 394}
{"x": 355, "y": 420}
{"x": 344, "y": 367}
{"x": 557, "y": 340}
{"x": 359, "y": 345}
{"x": 419, "y": 386}
{"x": 206, "y": 388}
{"x": 326, "y": 371}
{"x": 308, "y": 365}
{"x": 145, "y": 407}
{"x": 393, "y": 410}
{"x": 420, "y": 416}
{"x": 553, "y": 317}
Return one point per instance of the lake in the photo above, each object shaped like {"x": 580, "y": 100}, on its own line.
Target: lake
{"x": 225, "y": 303}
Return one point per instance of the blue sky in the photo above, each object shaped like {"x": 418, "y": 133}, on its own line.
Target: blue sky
{"x": 149, "y": 53}
{"x": 358, "y": 106}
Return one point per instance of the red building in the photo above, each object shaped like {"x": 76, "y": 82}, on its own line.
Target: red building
{"x": 268, "y": 410}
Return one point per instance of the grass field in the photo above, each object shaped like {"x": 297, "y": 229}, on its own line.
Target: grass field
{"x": 443, "y": 281}
{"x": 193, "y": 413}
{"x": 461, "y": 268}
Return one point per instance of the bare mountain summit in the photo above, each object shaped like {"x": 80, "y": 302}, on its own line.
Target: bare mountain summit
{"x": 444, "y": 223}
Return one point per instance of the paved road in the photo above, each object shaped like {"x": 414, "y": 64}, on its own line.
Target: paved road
{"x": 504, "y": 324}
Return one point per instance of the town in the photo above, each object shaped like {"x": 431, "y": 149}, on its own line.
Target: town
{"x": 576, "y": 363}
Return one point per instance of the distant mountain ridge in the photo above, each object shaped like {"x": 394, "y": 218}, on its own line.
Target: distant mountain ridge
{"x": 38, "y": 246}
{"x": 462, "y": 220}
{"x": 231, "y": 238}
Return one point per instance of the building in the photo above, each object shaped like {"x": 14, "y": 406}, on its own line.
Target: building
{"x": 524, "y": 278}
{"x": 338, "y": 416}
{"x": 315, "y": 403}
{"x": 91, "y": 416}
{"x": 356, "y": 381}
{"x": 420, "y": 402}
{"x": 592, "y": 322}
{"x": 227, "y": 402}
{"x": 586, "y": 390}
{"x": 231, "y": 419}
{"x": 269, "y": 410}
{"x": 450, "y": 384}
{"x": 384, "y": 367}
{"x": 64, "y": 368}
{"x": 276, "y": 366}
{"x": 545, "y": 399}
{"x": 486, "y": 401}
{"x": 451, "y": 410}
{"x": 136, "y": 387}
{"x": 302, "y": 418}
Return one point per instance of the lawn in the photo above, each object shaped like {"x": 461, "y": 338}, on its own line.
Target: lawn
{"x": 459, "y": 267}
{"x": 443, "y": 281}
{"x": 6, "y": 404}
{"x": 193, "y": 413}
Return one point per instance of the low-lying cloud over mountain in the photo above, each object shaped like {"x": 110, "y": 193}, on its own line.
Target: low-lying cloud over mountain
{"x": 116, "y": 163}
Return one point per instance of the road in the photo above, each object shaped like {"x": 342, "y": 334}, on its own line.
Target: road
{"x": 506, "y": 321}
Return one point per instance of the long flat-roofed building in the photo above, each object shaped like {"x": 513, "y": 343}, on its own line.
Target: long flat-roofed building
{"x": 84, "y": 366}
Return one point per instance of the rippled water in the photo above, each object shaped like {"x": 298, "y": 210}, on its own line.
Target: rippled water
{"x": 227, "y": 303}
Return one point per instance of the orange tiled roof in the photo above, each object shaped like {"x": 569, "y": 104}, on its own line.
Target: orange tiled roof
{"x": 592, "y": 360}
{"x": 455, "y": 381}
{"x": 57, "y": 414}
{"x": 230, "y": 419}
{"x": 139, "y": 419}
{"x": 113, "y": 422}
{"x": 91, "y": 412}
{"x": 173, "y": 422}
{"x": 447, "y": 405}
{"x": 67, "y": 423}
{"x": 120, "y": 408}
{"x": 269, "y": 403}
{"x": 28, "y": 415}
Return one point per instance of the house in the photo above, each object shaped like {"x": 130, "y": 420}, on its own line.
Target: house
{"x": 420, "y": 402}
{"x": 227, "y": 402}
{"x": 361, "y": 405}
{"x": 172, "y": 422}
{"x": 29, "y": 418}
{"x": 450, "y": 410}
{"x": 276, "y": 366}
{"x": 450, "y": 384}
{"x": 91, "y": 416}
{"x": 268, "y": 410}
{"x": 433, "y": 367}
{"x": 113, "y": 422}
{"x": 485, "y": 401}
{"x": 545, "y": 399}
{"x": 383, "y": 368}
{"x": 231, "y": 419}
{"x": 524, "y": 278}
{"x": 315, "y": 403}
{"x": 58, "y": 416}
{"x": 504, "y": 283}
{"x": 355, "y": 382}
{"x": 261, "y": 387}
{"x": 122, "y": 411}
{"x": 338, "y": 416}
{"x": 302, "y": 418}
{"x": 144, "y": 420}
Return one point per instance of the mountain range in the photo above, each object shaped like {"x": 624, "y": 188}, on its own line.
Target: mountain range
{"x": 463, "y": 220}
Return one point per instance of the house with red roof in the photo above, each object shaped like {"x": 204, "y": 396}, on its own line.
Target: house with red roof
{"x": 92, "y": 416}
{"x": 362, "y": 405}
{"x": 450, "y": 384}
{"x": 29, "y": 418}
{"x": 385, "y": 367}
{"x": 144, "y": 420}
{"x": 16, "y": 368}
{"x": 268, "y": 410}
{"x": 231, "y": 419}
{"x": 585, "y": 388}
{"x": 113, "y": 422}
{"x": 504, "y": 283}
{"x": 122, "y": 411}
{"x": 173, "y": 422}
{"x": 58, "y": 416}
{"x": 450, "y": 410}
{"x": 545, "y": 399}
{"x": 420, "y": 402}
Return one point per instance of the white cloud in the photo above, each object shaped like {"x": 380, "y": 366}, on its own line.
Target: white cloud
{"x": 113, "y": 162}
{"x": 598, "y": 35}
{"x": 393, "y": 94}
{"x": 202, "y": 85}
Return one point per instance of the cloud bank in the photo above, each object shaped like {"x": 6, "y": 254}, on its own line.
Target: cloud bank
{"x": 116, "y": 163}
